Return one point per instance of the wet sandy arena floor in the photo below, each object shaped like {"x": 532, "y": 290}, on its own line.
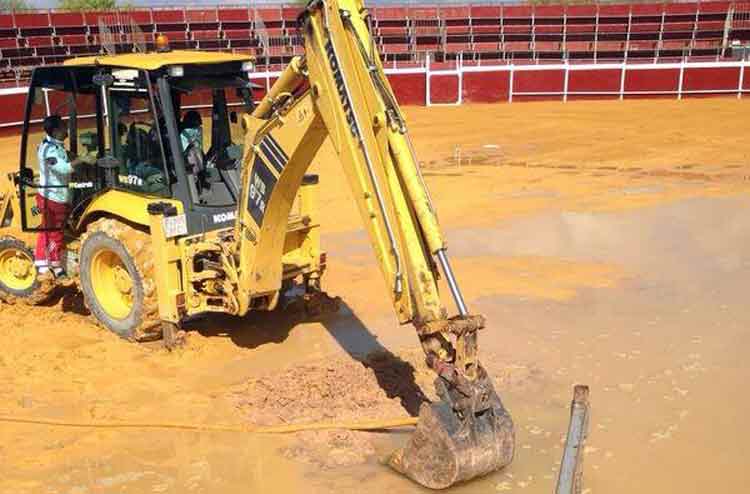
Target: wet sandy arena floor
{"x": 606, "y": 243}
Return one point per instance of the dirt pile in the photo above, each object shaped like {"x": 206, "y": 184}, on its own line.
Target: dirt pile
{"x": 381, "y": 385}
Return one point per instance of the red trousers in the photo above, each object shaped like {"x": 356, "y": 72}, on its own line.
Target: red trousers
{"x": 49, "y": 244}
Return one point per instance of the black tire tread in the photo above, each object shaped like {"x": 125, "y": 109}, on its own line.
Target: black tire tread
{"x": 138, "y": 245}
{"x": 44, "y": 286}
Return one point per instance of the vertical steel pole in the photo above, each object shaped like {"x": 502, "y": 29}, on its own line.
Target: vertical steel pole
{"x": 741, "y": 81}
{"x": 570, "y": 478}
{"x": 427, "y": 101}
{"x": 510, "y": 85}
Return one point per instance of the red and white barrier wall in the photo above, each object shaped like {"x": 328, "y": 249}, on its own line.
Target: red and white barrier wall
{"x": 508, "y": 83}
{"x": 431, "y": 84}
{"x": 458, "y": 83}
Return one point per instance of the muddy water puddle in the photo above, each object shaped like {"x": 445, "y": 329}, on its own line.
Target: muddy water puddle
{"x": 662, "y": 346}
{"x": 662, "y": 349}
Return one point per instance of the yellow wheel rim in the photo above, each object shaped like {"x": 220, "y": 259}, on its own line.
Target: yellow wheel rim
{"x": 112, "y": 284}
{"x": 17, "y": 270}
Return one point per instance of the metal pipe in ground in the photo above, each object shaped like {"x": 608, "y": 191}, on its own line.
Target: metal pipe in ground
{"x": 570, "y": 479}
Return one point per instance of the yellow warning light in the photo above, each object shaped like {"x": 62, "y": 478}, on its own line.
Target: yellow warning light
{"x": 162, "y": 43}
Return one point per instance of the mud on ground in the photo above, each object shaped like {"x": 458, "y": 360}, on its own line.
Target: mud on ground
{"x": 520, "y": 189}
{"x": 380, "y": 385}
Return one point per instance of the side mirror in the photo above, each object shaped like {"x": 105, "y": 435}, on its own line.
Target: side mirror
{"x": 233, "y": 117}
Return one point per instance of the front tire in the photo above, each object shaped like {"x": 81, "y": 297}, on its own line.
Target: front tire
{"x": 18, "y": 275}
{"x": 116, "y": 266}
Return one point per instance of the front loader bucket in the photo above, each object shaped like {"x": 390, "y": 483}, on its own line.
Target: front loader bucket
{"x": 446, "y": 448}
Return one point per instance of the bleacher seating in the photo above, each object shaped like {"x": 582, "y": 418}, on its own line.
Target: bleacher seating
{"x": 518, "y": 33}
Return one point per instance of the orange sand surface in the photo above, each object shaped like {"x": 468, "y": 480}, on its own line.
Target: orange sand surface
{"x": 565, "y": 222}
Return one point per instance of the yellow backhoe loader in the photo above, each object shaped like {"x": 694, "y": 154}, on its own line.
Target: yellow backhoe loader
{"x": 160, "y": 228}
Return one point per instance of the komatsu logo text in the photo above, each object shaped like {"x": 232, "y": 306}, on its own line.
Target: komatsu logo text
{"x": 224, "y": 217}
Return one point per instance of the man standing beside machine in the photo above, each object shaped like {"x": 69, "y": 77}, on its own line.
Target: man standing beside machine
{"x": 53, "y": 196}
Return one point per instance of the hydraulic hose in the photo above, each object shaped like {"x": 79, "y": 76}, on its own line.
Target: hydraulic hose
{"x": 254, "y": 429}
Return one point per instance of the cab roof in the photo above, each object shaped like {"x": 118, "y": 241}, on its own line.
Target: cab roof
{"x": 155, "y": 61}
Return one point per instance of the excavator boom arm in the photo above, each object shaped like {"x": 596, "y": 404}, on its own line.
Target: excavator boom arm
{"x": 361, "y": 132}
{"x": 338, "y": 91}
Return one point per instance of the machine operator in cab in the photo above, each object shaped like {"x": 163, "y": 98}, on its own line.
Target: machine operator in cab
{"x": 53, "y": 196}
{"x": 191, "y": 131}
{"x": 191, "y": 140}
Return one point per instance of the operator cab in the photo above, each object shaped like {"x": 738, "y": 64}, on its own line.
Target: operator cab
{"x": 162, "y": 125}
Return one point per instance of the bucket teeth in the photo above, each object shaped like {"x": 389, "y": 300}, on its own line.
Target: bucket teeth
{"x": 450, "y": 447}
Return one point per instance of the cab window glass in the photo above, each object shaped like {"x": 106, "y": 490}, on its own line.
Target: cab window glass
{"x": 220, "y": 110}
{"x": 136, "y": 144}
{"x": 86, "y": 141}
{"x": 55, "y": 93}
{"x": 211, "y": 138}
{"x": 85, "y": 144}
{"x": 41, "y": 100}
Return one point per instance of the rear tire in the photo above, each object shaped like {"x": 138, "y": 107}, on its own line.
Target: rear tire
{"x": 19, "y": 281}
{"x": 116, "y": 266}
